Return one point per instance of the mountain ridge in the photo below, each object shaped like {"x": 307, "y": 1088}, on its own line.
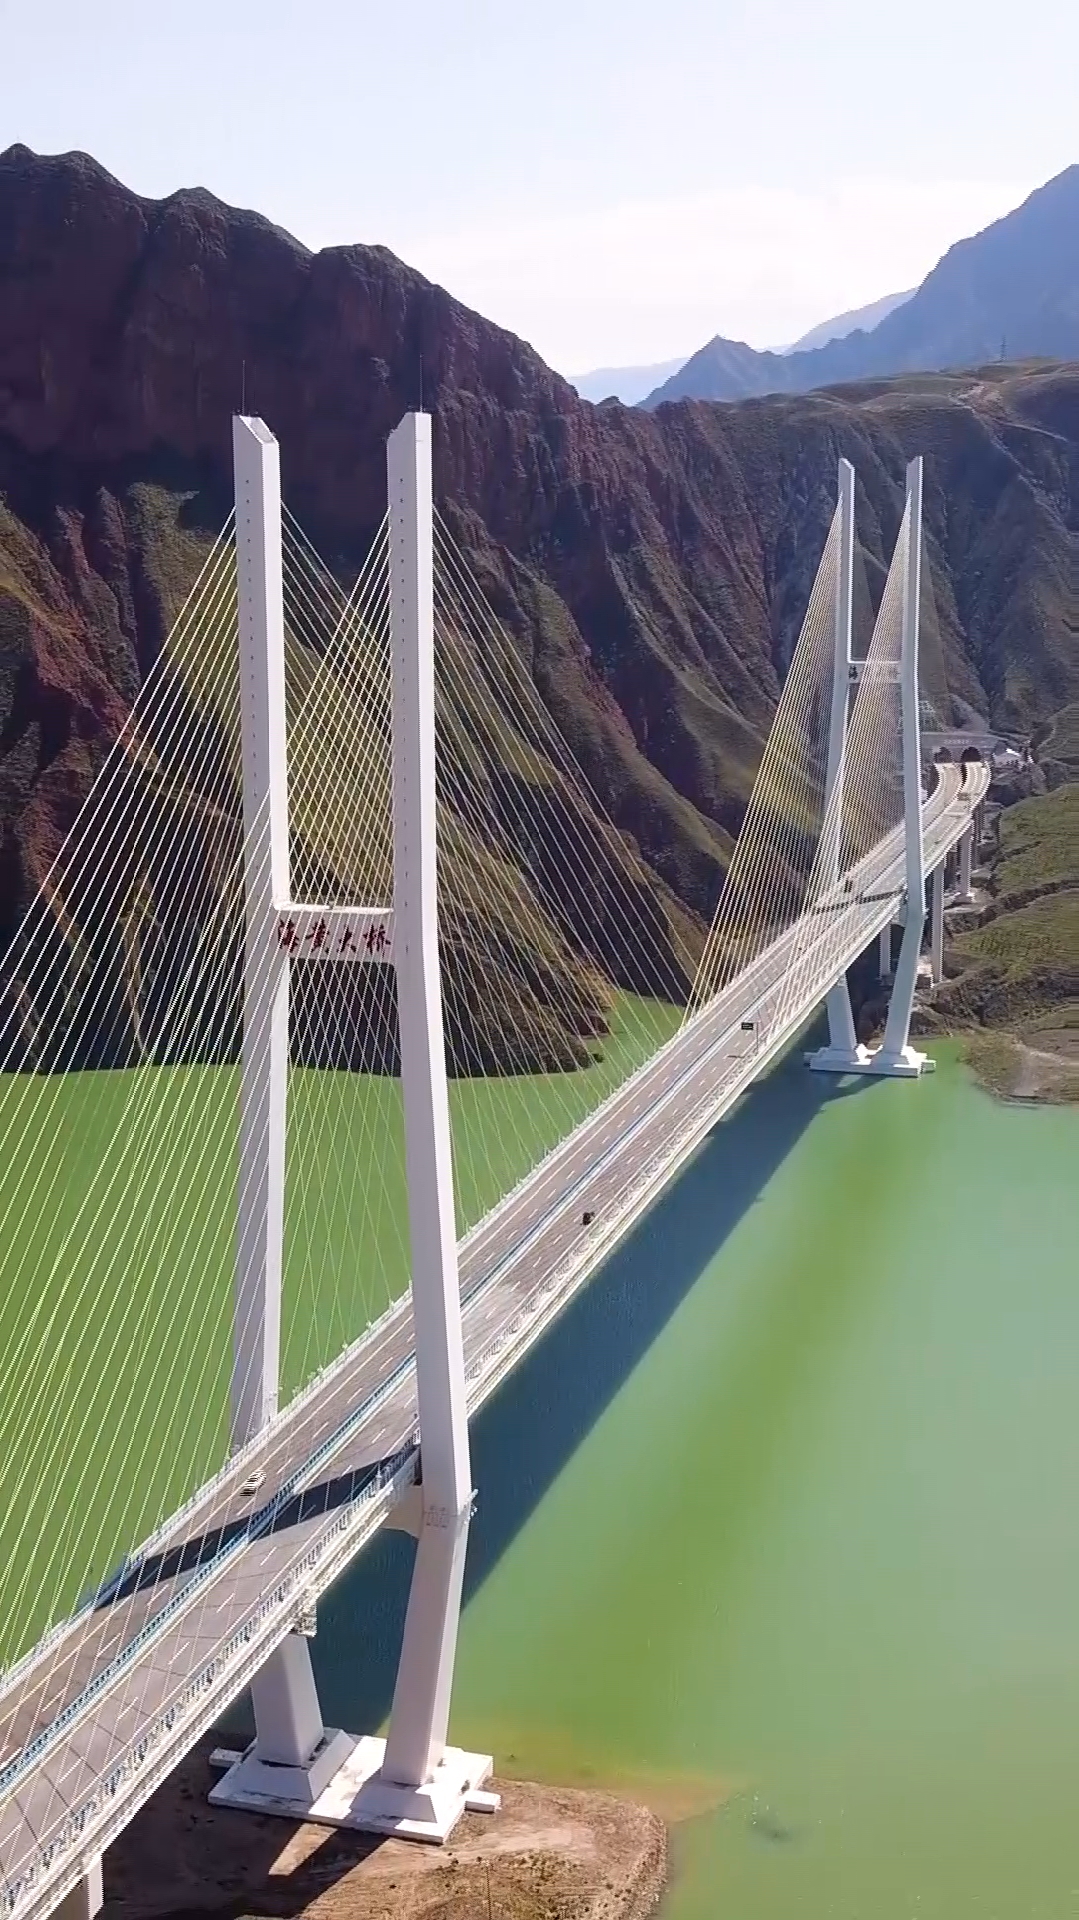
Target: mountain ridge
{"x": 841, "y": 324}
{"x": 1014, "y": 285}
{"x": 627, "y": 384}
{"x": 651, "y": 568}
{"x": 632, "y": 384}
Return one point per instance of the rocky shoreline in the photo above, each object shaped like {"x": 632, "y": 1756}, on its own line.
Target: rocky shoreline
{"x": 552, "y": 1853}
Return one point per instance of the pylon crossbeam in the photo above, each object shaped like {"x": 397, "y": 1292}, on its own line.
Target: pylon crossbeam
{"x": 890, "y": 671}
{"x": 357, "y": 935}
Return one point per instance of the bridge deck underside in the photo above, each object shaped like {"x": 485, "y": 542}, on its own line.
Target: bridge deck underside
{"x": 218, "y": 1617}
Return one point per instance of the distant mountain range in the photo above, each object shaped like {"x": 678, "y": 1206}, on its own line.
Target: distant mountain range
{"x": 628, "y": 384}
{"x": 1010, "y": 292}
{"x": 844, "y": 323}
{"x": 631, "y": 385}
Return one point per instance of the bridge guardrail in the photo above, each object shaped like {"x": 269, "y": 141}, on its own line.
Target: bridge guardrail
{"x": 258, "y": 1526}
{"x": 233, "y": 1467}
{"x": 393, "y": 1476}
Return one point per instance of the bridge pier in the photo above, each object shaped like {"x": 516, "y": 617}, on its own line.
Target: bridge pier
{"x": 936, "y": 924}
{"x": 966, "y": 867}
{"x": 86, "y": 1898}
{"x": 843, "y": 1053}
{"x": 884, "y": 963}
{"x": 293, "y": 1757}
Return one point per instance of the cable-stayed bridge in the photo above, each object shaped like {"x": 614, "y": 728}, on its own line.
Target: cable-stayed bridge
{"x": 253, "y": 881}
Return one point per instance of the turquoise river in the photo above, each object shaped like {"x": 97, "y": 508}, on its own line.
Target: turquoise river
{"x": 778, "y": 1528}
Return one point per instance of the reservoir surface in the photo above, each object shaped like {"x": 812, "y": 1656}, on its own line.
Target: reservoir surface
{"x": 777, "y": 1529}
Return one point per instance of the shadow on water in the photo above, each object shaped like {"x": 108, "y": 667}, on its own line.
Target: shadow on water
{"x": 525, "y": 1435}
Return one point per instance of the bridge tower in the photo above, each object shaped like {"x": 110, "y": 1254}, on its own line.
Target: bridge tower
{"x": 895, "y": 1055}
{"x": 412, "y": 1783}
{"x": 843, "y": 1054}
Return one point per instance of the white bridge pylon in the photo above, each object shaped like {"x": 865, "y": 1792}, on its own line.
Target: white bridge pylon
{"x": 412, "y": 1783}
{"x": 843, "y": 1053}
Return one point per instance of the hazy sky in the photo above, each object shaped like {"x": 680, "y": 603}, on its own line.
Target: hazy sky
{"x": 615, "y": 182}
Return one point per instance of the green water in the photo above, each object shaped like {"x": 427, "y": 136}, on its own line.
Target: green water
{"x": 778, "y": 1528}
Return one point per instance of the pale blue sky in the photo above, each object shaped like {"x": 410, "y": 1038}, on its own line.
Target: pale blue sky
{"x": 614, "y": 182}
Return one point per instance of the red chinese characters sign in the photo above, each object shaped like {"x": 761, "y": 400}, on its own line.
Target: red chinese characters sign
{"x": 335, "y": 933}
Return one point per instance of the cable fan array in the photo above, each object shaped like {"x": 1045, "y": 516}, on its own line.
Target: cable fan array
{"x": 122, "y": 976}
{"x": 561, "y": 966}
{"x": 122, "y": 1008}
{"x": 122, "y": 1014}
{"x": 559, "y": 949}
{"x": 865, "y": 808}
{"x": 786, "y": 886}
{"x": 765, "y": 886}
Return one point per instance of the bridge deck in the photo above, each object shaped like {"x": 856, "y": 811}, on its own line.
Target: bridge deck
{"x": 184, "y": 1632}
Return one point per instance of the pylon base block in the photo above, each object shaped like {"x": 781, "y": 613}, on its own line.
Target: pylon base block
{"x": 905, "y": 1065}
{"x": 354, "y": 1793}
{"x": 839, "y": 1060}
{"x": 908, "y": 1064}
{"x": 271, "y": 1787}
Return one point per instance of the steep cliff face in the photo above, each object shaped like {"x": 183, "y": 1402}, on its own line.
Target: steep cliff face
{"x": 653, "y": 567}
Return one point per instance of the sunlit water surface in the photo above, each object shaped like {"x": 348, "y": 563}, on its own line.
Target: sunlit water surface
{"x": 778, "y": 1529}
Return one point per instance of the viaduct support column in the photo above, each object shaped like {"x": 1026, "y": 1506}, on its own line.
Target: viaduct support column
{"x": 86, "y": 1898}
{"x": 884, "y": 967}
{"x": 896, "y": 1055}
{"x": 966, "y": 866}
{"x": 936, "y": 924}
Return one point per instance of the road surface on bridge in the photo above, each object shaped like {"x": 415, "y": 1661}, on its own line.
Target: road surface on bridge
{"x": 183, "y": 1633}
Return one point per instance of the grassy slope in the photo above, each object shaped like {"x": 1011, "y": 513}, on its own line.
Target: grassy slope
{"x": 117, "y": 1200}
{"x": 1040, "y": 937}
{"x": 1020, "y": 968}
{"x": 1039, "y": 847}
{"x": 1024, "y": 1067}
{"x": 1027, "y": 952}
{"x": 1058, "y": 744}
